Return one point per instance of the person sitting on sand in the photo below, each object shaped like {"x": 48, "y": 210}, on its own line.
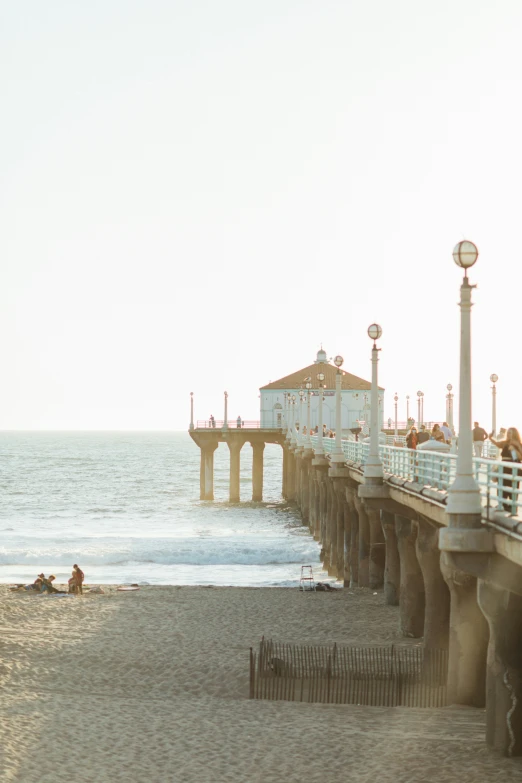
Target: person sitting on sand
{"x": 33, "y": 587}
{"x": 47, "y": 585}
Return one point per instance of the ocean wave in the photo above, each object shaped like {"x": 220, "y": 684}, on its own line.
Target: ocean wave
{"x": 304, "y": 551}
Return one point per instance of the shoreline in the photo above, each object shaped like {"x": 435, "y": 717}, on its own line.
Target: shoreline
{"x": 153, "y": 686}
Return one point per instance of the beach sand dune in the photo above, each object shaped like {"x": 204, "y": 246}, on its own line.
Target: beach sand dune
{"x": 152, "y": 686}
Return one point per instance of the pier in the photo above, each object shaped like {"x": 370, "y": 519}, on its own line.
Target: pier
{"x": 208, "y": 439}
{"x": 439, "y": 532}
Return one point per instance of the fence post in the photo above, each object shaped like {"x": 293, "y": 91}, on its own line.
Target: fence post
{"x": 252, "y": 673}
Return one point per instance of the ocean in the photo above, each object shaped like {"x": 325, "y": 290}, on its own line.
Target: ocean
{"x": 126, "y": 508}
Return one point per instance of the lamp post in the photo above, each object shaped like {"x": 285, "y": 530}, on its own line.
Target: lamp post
{"x": 494, "y": 378}
{"x": 301, "y": 400}
{"x": 420, "y": 401}
{"x": 319, "y": 450}
{"x": 225, "y": 422}
{"x": 407, "y": 408}
{"x": 293, "y": 440}
{"x": 288, "y": 397}
{"x": 396, "y": 399}
{"x": 191, "y": 410}
{"x": 464, "y": 503}
{"x": 449, "y": 407}
{"x": 373, "y": 472}
{"x": 337, "y": 453}
{"x": 308, "y": 439}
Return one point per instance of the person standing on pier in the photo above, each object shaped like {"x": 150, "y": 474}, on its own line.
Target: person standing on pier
{"x": 447, "y": 432}
{"x": 511, "y": 451}
{"x": 437, "y": 433}
{"x": 239, "y": 422}
{"x": 479, "y": 436}
{"x": 212, "y": 421}
{"x": 423, "y": 435}
{"x": 411, "y": 438}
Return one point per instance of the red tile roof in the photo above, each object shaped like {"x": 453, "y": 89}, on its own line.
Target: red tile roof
{"x": 296, "y": 379}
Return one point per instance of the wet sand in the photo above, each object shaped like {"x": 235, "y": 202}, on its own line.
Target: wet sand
{"x": 152, "y": 687}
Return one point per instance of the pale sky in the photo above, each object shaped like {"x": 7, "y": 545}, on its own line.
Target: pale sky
{"x": 196, "y": 194}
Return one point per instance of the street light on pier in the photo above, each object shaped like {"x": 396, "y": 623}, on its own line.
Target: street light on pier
{"x": 420, "y": 404}
{"x": 396, "y": 399}
{"x": 449, "y": 407}
{"x": 494, "y": 378}
{"x": 407, "y": 408}
{"x": 287, "y": 414}
{"x": 308, "y": 440}
{"x": 293, "y": 440}
{"x": 319, "y": 452}
{"x": 373, "y": 472}
{"x": 337, "y": 453}
{"x": 301, "y": 400}
{"x": 191, "y": 410}
{"x": 464, "y": 493}
{"x": 225, "y": 422}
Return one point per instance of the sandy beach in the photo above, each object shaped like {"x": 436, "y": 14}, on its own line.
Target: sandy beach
{"x": 152, "y": 686}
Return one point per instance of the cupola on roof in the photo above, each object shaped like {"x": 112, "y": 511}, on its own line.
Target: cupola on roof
{"x": 321, "y": 356}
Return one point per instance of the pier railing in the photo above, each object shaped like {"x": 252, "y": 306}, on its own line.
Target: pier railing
{"x": 499, "y": 481}
{"x": 232, "y": 424}
{"x": 389, "y": 676}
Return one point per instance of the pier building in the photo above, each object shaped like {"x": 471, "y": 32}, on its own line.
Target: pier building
{"x": 355, "y": 396}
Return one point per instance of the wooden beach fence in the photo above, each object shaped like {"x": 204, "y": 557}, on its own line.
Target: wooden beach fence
{"x": 386, "y": 676}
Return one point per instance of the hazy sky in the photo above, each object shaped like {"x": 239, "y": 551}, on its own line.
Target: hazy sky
{"x": 194, "y": 194}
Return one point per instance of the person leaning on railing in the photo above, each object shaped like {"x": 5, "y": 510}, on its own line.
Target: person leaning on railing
{"x": 510, "y": 451}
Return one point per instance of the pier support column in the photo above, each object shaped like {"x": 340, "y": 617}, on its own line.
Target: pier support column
{"x": 364, "y": 544}
{"x": 347, "y": 516}
{"x": 468, "y": 638}
{"x": 437, "y": 610}
{"x": 201, "y": 473}
{"x": 207, "y": 471}
{"x": 285, "y": 472}
{"x": 354, "y": 536}
{"x": 297, "y": 478}
{"x": 312, "y": 486}
{"x": 339, "y": 560}
{"x": 235, "y": 470}
{"x": 306, "y": 463}
{"x": 503, "y": 611}
{"x": 290, "y": 476}
{"x": 392, "y": 571}
{"x": 318, "y": 480}
{"x": 377, "y": 549}
{"x": 331, "y": 563}
{"x": 323, "y": 506}
{"x": 325, "y": 525}
{"x": 257, "y": 471}
{"x": 411, "y": 598}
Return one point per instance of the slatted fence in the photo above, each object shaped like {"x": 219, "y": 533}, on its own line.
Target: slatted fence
{"x": 388, "y": 676}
